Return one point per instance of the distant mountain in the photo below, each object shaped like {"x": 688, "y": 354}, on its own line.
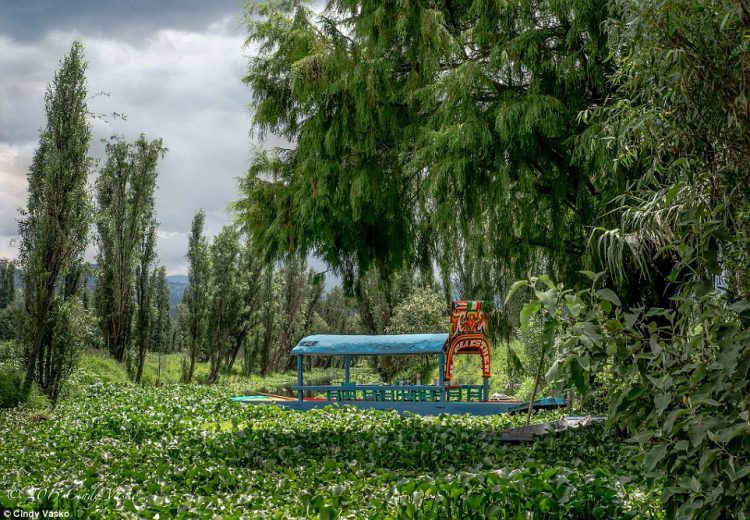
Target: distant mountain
{"x": 177, "y": 284}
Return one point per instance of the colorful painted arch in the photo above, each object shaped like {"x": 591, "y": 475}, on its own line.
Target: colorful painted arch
{"x": 468, "y": 335}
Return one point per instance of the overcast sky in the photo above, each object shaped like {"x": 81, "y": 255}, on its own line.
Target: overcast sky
{"x": 173, "y": 67}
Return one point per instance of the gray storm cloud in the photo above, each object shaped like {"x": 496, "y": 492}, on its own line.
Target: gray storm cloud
{"x": 173, "y": 68}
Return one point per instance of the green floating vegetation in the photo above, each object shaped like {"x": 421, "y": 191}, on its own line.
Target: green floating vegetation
{"x": 188, "y": 451}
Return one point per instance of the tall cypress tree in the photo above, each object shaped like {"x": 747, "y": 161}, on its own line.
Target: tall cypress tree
{"x": 55, "y": 224}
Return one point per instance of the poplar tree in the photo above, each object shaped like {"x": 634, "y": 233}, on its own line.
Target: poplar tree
{"x": 197, "y": 294}
{"x": 144, "y": 296}
{"x": 161, "y": 330}
{"x": 225, "y": 304}
{"x": 125, "y": 197}
{"x": 54, "y": 228}
{"x": 7, "y": 282}
{"x": 251, "y": 269}
{"x": 8, "y": 311}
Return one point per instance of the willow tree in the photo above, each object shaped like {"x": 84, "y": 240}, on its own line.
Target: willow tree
{"x": 54, "y": 227}
{"x": 125, "y": 197}
{"x": 429, "y": 131}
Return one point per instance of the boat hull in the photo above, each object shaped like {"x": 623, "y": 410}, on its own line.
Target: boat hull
{"x": 420, "y": 408}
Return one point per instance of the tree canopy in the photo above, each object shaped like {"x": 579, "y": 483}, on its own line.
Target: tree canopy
{"x": 426, "y": 131}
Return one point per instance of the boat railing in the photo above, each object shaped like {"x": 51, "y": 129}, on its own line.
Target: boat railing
{"x": 355, "y": 392}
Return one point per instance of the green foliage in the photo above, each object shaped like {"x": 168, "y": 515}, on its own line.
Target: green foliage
{"x": 422, "y": 311}
{"x": 443, "y": 133}
{"x": 144, "y": 296}
{"x": 682, "y": 387}
{"x": 189, "y": 451}
{"x": 377, "y": 297}
{"x": 99, "y": 367}
{"x": 161, "y": 332}
{"x": 680, "y": 123}
{"x": 225, "y": 307}
{"x": 287, "y": 311}
{"x": 54, "y": 229}
{"x": 12, "y": 393}
{"x": 11, "y": 385}
{"x": 339, "y": 312}
{"x": 7, "y": 282}
{"x": 468, "y": 370}
{"x": 11, "y": 322}
{"x": 196, "y": 296}
{"x": 126, "y": 233}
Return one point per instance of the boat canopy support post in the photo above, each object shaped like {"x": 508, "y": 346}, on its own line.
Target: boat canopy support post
{"x": 347, "y": 368}
{"x": 300, "y": 393}
{"x": 441, "y": 377}
{"x": 486, "y": 389}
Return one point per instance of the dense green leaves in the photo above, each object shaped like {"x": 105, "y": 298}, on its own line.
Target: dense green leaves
{"x": 225, "y": 299}
{"x": 189, "y": 451}
{"x": 429, "y": 132}
{"x": 196, "y": 297}
{"x": 55, "y": 225}
{"x": 126, "y": 228}
{"x": 680, "y": 389}
{"x": 7, "y": 282}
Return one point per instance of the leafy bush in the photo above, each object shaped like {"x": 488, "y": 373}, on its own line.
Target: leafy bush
{"x": 11, "y": 383}
{"x": 683, "y": 391}
{"x": 11, "y": 392}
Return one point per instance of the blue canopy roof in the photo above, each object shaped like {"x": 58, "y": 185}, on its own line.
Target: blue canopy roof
{"x": 380, "y": 345}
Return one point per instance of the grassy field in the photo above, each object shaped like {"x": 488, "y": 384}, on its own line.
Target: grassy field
{"x": 111, "y": 449}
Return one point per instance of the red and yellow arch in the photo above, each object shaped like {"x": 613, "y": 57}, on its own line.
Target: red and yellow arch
{"x": 468, "y": 335}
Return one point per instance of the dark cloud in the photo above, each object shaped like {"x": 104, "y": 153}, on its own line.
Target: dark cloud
{"x": 179, "y": 79}
{"x": 132, "y": 20}
{"x": 174, "y": 68}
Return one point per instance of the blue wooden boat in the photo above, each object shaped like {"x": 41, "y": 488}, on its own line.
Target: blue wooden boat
{"x": 468, "y": 335}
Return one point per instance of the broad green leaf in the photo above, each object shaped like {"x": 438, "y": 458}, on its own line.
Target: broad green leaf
{"x": 546, "y": 281}
{"x": 554, "y": 372}
{"x": 577, "y": 375}
{"x": 591, "y": 275}
{"x": 655, "y": 456}
{"x": 548, "y": 298}
{"x": 609, "y": 295}
{"x": 529, "y": 310}
{"x": 662, "y": 402}
{"x": 513, "y": 288}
